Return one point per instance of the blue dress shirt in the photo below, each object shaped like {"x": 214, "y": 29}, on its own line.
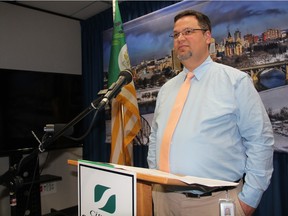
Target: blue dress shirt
{"x": 223, "y": 132}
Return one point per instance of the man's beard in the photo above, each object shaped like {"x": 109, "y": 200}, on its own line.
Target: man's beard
{"x": 185, "y": 56}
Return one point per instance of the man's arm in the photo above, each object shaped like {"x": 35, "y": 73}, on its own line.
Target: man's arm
{"x": 248, "y": 210}
{"x": 256, "y": 131}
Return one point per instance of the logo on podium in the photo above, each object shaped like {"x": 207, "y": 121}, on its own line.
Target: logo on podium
{"x": 110, "y": 203}
{"x": 104, "y": 190}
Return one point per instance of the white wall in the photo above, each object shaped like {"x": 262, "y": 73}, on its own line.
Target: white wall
{"x": 38, "y": 41}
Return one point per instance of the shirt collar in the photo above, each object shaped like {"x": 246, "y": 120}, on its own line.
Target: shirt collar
{"x": 200, "y": 70}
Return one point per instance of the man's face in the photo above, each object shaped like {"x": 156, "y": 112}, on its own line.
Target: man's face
{"x": 192, "y": 42}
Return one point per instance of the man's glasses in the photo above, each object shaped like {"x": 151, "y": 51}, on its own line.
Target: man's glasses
{"x": 185, "y": 32}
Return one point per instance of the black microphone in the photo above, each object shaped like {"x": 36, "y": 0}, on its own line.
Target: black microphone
{"x": 125, "y": 77}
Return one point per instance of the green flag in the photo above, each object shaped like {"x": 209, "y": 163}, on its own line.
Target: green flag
{"x": 119, "y": 58}
{"x": 125, "y": 117}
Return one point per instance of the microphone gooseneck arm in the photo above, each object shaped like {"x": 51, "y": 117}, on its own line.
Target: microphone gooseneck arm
{"x": 125, "y": 77}
{"x": 61, "y": 132}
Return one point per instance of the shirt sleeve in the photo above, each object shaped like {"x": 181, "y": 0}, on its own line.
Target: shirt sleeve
{"x": 257, "y": 134}
{"x": 151, "y": 157}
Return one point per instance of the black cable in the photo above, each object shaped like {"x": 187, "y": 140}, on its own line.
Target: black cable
{"x": 31, "y": 185}
{"x": 51, "y": 139}
{"x": 88, "y": 131}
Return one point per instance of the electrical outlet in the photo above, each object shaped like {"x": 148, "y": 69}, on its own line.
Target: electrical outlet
{"x": 48, "y": 188}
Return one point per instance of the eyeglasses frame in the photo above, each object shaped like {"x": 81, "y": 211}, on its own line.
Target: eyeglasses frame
{"x": 176, "y": 35}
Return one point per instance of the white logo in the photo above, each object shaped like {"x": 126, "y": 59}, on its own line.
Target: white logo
{"x": 123, "y": 58}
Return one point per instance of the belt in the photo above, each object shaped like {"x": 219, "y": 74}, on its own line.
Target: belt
{"x": 208, "y": 193}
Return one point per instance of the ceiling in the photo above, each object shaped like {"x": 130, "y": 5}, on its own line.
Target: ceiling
{"x": 80, "y": 10}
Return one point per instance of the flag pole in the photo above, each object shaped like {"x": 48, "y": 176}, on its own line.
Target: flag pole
{"x": 123, "y": 131}
{"x": 113, "y": 6}
{"x": 121, "y": 105}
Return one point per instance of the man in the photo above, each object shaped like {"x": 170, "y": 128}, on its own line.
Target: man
{"x": 223, "y": 132}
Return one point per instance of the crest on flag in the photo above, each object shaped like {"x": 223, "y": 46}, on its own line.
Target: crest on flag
{"x": 123, "y": 58}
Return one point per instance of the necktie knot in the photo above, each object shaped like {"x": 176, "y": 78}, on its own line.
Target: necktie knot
{"x": 189, "y": 75}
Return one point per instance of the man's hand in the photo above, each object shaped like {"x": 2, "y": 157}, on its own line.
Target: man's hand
{"x": 248, "y": 210}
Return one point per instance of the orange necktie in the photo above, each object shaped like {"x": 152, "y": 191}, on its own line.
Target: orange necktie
{"x": 172, "y": 122}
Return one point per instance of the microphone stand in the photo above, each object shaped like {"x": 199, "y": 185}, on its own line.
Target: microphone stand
{"x": 12, "y": 179}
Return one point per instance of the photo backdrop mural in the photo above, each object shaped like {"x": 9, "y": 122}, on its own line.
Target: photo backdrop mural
{"x": 248, "y": 35}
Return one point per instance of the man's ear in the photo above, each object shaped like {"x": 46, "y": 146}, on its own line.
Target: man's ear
{"x": 208, "y": 36}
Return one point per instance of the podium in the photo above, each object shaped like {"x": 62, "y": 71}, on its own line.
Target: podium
{"x": 146, "y": 178}
{"x": 144, "y": 191}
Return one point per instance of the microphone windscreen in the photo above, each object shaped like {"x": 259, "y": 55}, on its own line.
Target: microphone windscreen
{"x": 127, "y": 74}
